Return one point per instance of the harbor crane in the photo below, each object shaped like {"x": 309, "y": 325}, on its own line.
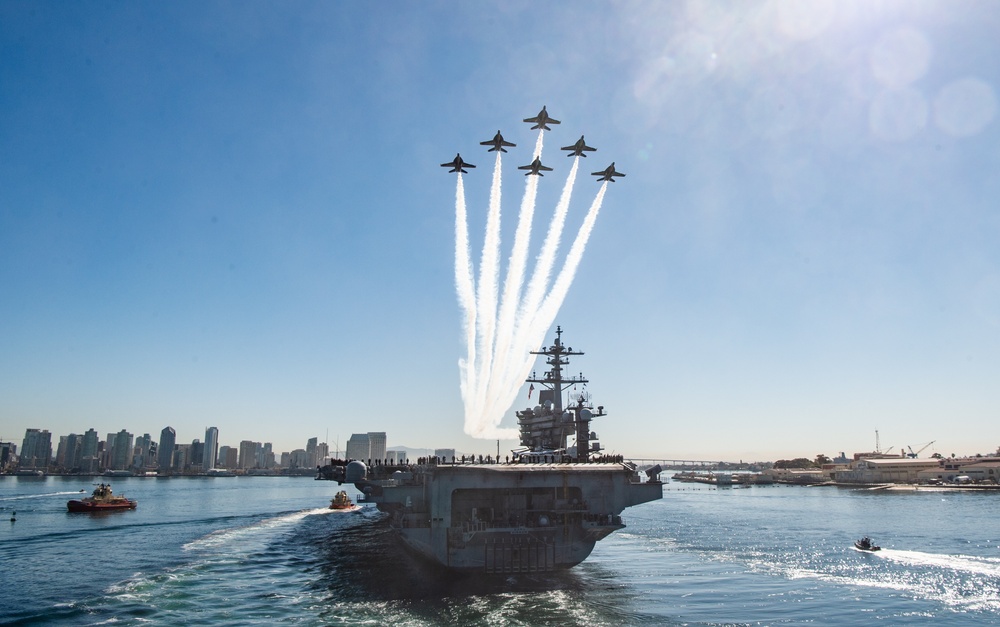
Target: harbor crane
{"x": 913, "y": 454}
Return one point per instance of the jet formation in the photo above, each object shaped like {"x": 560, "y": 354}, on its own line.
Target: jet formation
{"x": 540, "y": 121}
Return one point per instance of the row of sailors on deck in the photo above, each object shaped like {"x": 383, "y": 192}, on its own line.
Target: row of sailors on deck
{"x": 526, "y": 457}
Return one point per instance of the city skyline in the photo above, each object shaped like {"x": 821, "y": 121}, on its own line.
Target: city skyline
{"x": 235, "y": 216}
{"x": 120, "y": 454}
{"x": 374, "y": 446}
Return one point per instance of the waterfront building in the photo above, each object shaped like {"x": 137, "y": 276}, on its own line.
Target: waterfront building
{"x": 311, "y": 452}
{"x": 90, "y": 452}
{"x": 366, "y": 446}
{"x": 121, "y": 450}
{"x": 248, "y": 454}
{"x": 211, "y": 450}
{"x": 377, "y": 442}
{"x": 963, "y": 470}
{"x": 196, "y": 455}
{"x": 300, "y": 458}
{"x": 182, "y": 453}
{"x": 109, "y": 443}
{"x": 61, "y": 451}
{"x": 885, "y": 470}
{"x": 803, "y": 476}
{"x": 165, "y": 454}
{"x": 322, "y": 452}
{"x": 74, "y": 452}
{"x": 140, "y": 453}
{"x": 358, "y": 447}
{"x": 985, "y": 470}
{"x": 228, "y": 457}
{"x": 36, "y": 449}
{"x": 8, "y": 451}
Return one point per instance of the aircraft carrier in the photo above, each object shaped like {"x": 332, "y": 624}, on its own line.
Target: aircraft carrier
{"x": 540, "y": 509}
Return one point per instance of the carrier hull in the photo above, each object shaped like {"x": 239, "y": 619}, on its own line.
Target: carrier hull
{"x": 508, "y": 517}
{"x": 542, "y": 508}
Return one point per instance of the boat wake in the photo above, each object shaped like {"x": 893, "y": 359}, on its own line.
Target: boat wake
{"x": 24, "y": 497}
{"x": 989, "y": 566}
{"x": 961, "y": 582}
{"x": 248, "y": 532}
{"x": 225, "y": 570}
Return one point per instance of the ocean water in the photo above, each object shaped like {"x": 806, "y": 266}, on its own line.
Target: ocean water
{"x": 266, "y": 550}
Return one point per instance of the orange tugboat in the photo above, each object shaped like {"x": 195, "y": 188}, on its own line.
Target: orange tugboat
{"x": 101, "y": 500}
{"x": 343, "y": 502}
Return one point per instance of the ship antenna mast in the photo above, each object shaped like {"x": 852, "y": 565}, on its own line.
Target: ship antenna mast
{"x": 549, "y": 428}
{"x": 553, "y": 379}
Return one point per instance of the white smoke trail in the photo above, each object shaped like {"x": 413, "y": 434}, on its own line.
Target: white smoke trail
{"x": 511, "y": 296}
{"x": 536, "y": 286}
{"x": 466, "y": 299}
{"x": 549, "y": 308}
{"x": 486, "y": 298}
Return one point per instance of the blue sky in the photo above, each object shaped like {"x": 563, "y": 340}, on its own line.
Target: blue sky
{"x": 233, "y": 215}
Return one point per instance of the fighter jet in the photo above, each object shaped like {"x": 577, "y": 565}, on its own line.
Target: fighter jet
{"x": 534, "y": 167}
{"x": 497, "y": 142}
{"x": 457, "y": 165}
{"x": 542, "y": 120}
{"x": 608, "y": 173}
{"x": 578, "y": 148}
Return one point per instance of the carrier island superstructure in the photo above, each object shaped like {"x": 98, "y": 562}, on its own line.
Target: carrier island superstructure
{"x": 542, "y": 508}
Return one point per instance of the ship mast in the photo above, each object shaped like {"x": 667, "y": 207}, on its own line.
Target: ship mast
{"x": 553, "y": 379}
{"x": 547, "y": 428}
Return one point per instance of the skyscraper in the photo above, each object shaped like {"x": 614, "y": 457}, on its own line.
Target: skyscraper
{"x": 248, "y": 454}
{"x": 7, "y": 452}
{"x": 61, "y": 450}
{"x": 140, "y": 453}
{"x": 228, "y": 457}
{"x": 36, "y": 449}
{"x": 74, "y": 450}
{"x": 121, "y": 451}
{"x": 376, "y": 440}
{"x": 90, "y": 452}
{"x": 196, "y": 456}
{"x": 311, "y": 452}
{"x": 211, "y": 452}
{"x": 168, "y": 438}
{"x": 358, "y": 447}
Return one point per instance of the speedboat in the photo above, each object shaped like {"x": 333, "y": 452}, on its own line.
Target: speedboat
{"x": 102, "y": 500}
{"x": 866, "y": 544}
